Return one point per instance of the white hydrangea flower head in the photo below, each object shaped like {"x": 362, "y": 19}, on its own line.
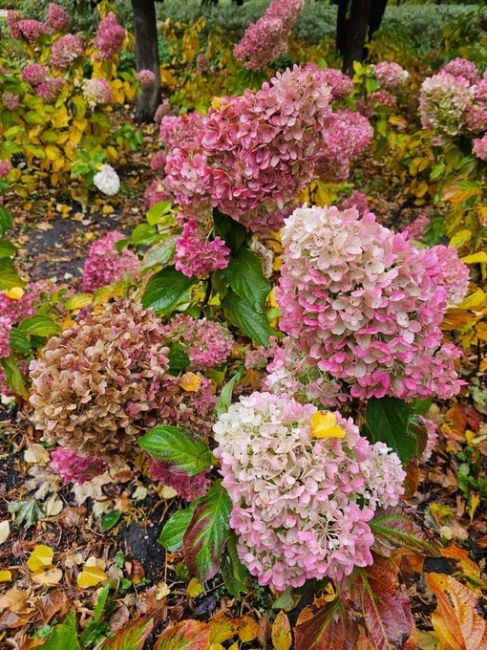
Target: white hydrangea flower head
{"x": 107, "y": 180}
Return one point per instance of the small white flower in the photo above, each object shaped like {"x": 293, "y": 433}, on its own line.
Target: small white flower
{"x": 107, "y": 180}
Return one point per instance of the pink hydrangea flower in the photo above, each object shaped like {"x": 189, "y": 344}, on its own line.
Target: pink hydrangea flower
{"x": 13, "y": 18}
{"x": 49, "y": 89}
{"x": 66, "y": 50}
{"x": 266, "y": 40}
{"x": 97, "y": 92}
{"x": 187, "y": 487}
{"x": 34, "y": 73}
{"x": 301, "y": 505}
{"x": 11, "y": 101}
{"x": 208, "y": 343}
{"x": 196, "y": 255}
{"x": 341, "y": 85}
{"x": 158, "y": 161}
{"x": 5, "y": 327}
{"x": 5, "y": 167}
{"x": 443, "y": 101}
{"x": 390, "y": 75}
{"x": 417, "y": 228}
{"x": 74, "y": 467}
{"x": 383, "y": 98}
{"x": 32, "y": 30}
{"x": 365, "y": 305}
{"x": 480, "y": 147}
{"x": 109, "y": 37}
{"x": 105, "y": 265}
{"x": 476, "y": 112}
{"x": 357, "y": 200}
{"x": 462, "y": 68}
{"x": 146, "y": 78}
{"x": 57, "y": 17}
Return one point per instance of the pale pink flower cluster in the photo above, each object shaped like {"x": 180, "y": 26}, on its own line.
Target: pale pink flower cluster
{"x": 347, "y": 135}
{"x": 10, "y": 100}
{"x": 97, "y": 92}
{"x": 34, "y": 73}
{"x": 49, "y": 89}
{"x": 301, "y": 505}
{"x": 480, "y": 147}
{"x": 417, "y": 229}
{"x": 207, "y": 343}
{"x": 383, "y": 98}
{"x": 5, "y": 327}
{"x": 476, "y": 113}
{"x": 260, "y": 356}
{"x": 357, "y": 200}
{"x": 340, "y": 84}
{"x": 390, "y": 75}
{"x": 105, "y": 265}
{"x": 187, "y": 487}
{"x": 109, "y": 37}
{"x": 31, "y": 30}
{"x": 13, "y": 18}
{"x": 57, "y": 17}
{"x": 365, "y": 305}
{"x": 462, "y": 68}
{"x": 146, "y": 78}
{"x": 5, "y": 167}
{"x": 197, "y": 255}
{"x": 266, "y": 40}
{"x": 74, "y": 467}
{"x": 158, "y": 161}
{"x": 66, "y": 50}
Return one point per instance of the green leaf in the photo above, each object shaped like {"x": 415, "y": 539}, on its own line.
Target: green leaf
{"x": 172, "y": 534}
{"x": 178, "y": 448}
{"x": 232, "y": 232}
{"x": 205, "y": 539}
{"x": 7, "y": 249}
{"x": 165, "y": 290}
{"x": 421, "y": 406}
{"x": 235, "y": 575}
{"x": 158, "y": 212}
{"x": 225, "y": 397}
{"x": 244, "y": 275}
{"x": 19, "y": 342}
{"x": 27, "y": 512}
{"x": 159, "y": 254}
{"x": 249, "y": 321}
{"x": 6, "y": 221}
{"x": 178, "y": 359}
{"x": 143, "y": 234}
{"x": 79, "y": 301}
{"x": 394, "y": 530}
{"x": 64, "y": 636}
{"x": 39, "y": 326}
{"x": 388, "y": 421}
{"x": 131, "y": 637}
{"x": 13, "y": 375}
{"x": 109, "y": 520}
{"x": 9, "y": 278}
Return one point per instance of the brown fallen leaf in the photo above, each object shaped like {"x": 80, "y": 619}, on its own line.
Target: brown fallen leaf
{"x": 54, "y": 603}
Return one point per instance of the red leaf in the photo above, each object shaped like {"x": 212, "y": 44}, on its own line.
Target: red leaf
{"x": 186, "y": 635}
{"x": 327, "y": 629}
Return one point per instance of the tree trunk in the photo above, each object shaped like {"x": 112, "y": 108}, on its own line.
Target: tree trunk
{"x": 377, "y": 13}
{"x": 146, "y": 58}
{"x": 357, "y": 27}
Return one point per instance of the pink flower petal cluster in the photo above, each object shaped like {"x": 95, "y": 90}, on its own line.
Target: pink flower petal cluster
{"x": 66, "y": 50}
{"x": 158, "y": 161}
{"x": 462, "y": 68}
{"x": 105, "y": 265}
{"x": 390, "y": 75}
{"x": 146, "y": 78}
{"x": 49, "y": 89}
{"x": 455, "y": 274}
{"x": 31, "y": 30}
{"x": 207, "y": 343}
{"x": 480, "y": 147}
{"x": 266, "y": 40}
{"x": 187, "y": 487}
{"x": 74, "y": 467}
{"x": 5, "y": 167}
{"x": 5, "y": 327}
{"x": 365, "y": 305}
{"x": 13, "y": 19}
{"x": 57, "y": 17}
{"x": 10, "y": 101}
{"x": 476, "y": 113}
{"x": 383, "y": 98}
{"x": 34, "y": 73}
{"x": 196, "y": 255}
{"x": 109, "y": 37}
{"x": 340, "y": 84}
{"x": 260, "y": 357}
{"x": 301, "y": 505}
{"x": 417, "y": 229}
{"x": 347, "y": 135}
{"x": 97, "y": 92}
{"x": 433, "y": 435}
{"x": 357, "y": 200}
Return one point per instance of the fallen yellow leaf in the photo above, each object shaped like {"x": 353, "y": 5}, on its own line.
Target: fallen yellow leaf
{"x": 49, "y": 576}
{"x": 40, "y": 557}
{"x": 15, "y": 293}
{"x": 90, "y": 577}
{"x": 195, "y": 588}
{"x": 324, "y": 425}
{"x": 190, "y": 382}
{"x": 5, "y": 575}
{"x": 476, "y": 258}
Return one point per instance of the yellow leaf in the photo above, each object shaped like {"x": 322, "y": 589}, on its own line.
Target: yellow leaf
{"x": 474, "y": 503}
{"x": 15, "y": 293}
{"x": 460, "y": 238}
{"x": 5, "y": 575}
{"x": 474, "y": 301}
{"x": 190, "y": 382}
{"x": 476, "y": 258}
{"x": 195, "y": 588}
{"x": 281, "y": 632}
{"x": 162, "y": 591}
{"x": 49, "y": 576}
{"x": 324, "y": 425}
{"x": 40, "y": 557}
{"x": 248, "y": 629}
{"x": 90, "y": 577}
{"x": 481, "y": 331}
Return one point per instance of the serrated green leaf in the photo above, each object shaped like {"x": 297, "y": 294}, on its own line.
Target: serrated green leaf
{"x": 232, "y": 232}
{"x": 19, "y": 342}
{"x": 13, "y": 375}
{"x": 178, "y": 448}
{"x": 143, "y": 234}
{"x": 171, "y": 536}
{"x": 166, "y": 289}
{"x": 131, "y": 637}
{"x": 207, "y": 534}
{"x": 388, "y": 421}
{"x": 249, "y": 321}
{"x": 39, "y": 326}
{"x": 244, "y": 275}
{"x": 64, "y": 636}
{"x": 109, "y": 520}
{"x": 158, "y": 212}
{"x": 178, "y": 359}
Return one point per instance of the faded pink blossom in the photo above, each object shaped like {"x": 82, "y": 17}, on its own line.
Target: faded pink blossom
{"x": 57, "y": 17}
{"x": 109, "y": 37}
{"x": 66, "y": 50}
{"x": 74, "y": 467}
{"x": 105, "y": 265}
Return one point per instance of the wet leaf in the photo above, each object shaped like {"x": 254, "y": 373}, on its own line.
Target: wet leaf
{"x": 325, "y": 629}
{"x": 131, "y": 637}
{"x": 186, "y": 635}
{"x": 281, "y": 632}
